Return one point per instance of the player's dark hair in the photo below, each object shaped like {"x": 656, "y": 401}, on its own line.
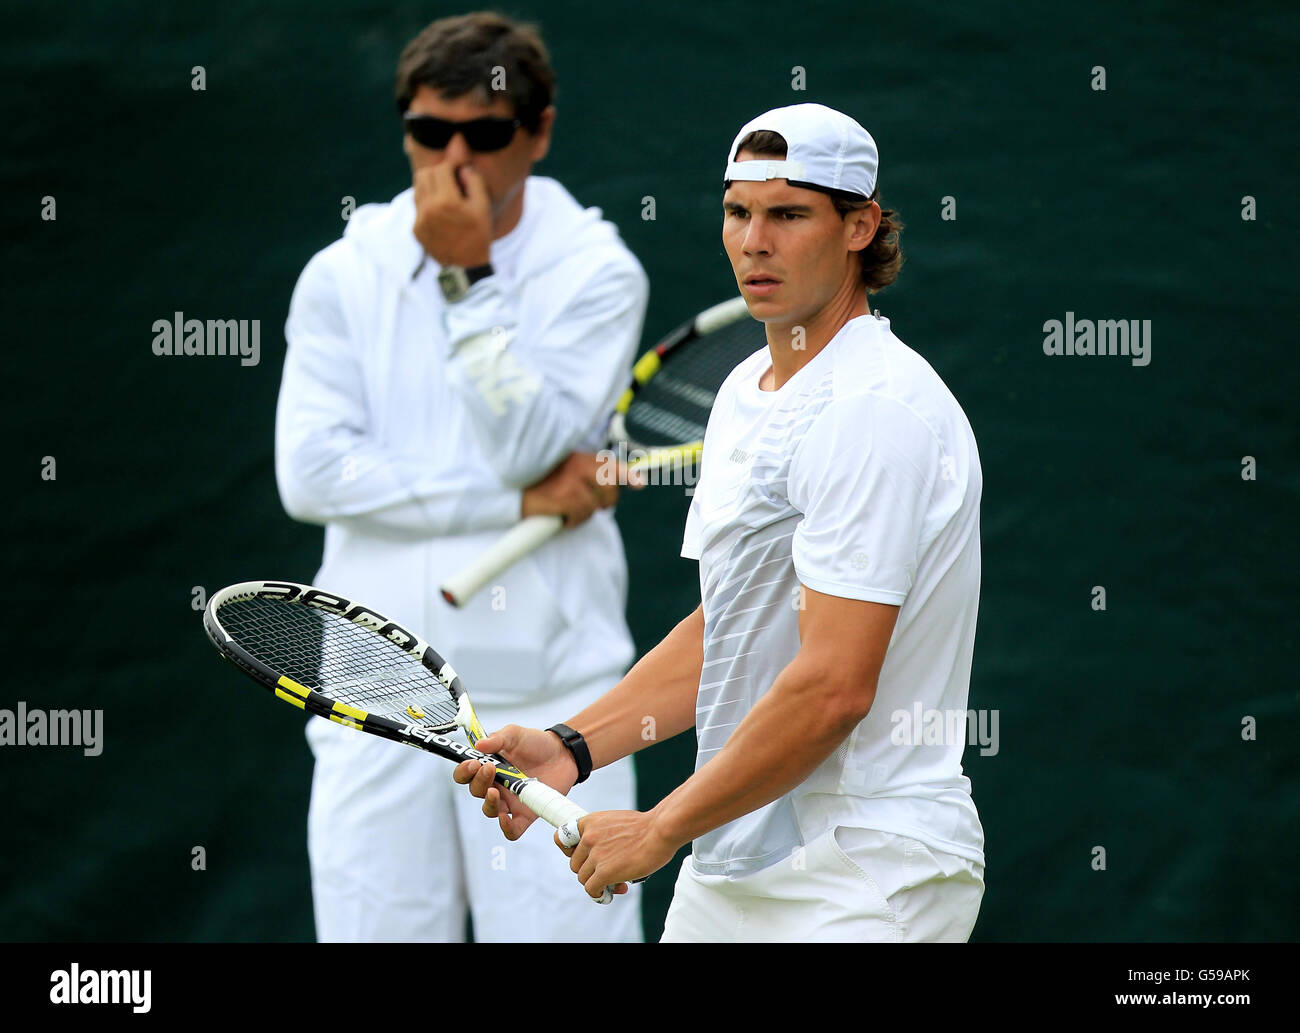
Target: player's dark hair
{"x": 472, "y": 53}
{"x": 881, "y": 259}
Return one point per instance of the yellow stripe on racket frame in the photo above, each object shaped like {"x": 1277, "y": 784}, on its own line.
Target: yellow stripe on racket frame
{"x": 350, "y": 716}
{"x": 299, "y": 692}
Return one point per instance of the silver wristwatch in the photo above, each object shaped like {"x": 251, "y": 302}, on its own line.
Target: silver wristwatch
{"x": 456, "y": 280}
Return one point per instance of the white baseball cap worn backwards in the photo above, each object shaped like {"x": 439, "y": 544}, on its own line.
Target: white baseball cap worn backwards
{"x": 825, "y": 150}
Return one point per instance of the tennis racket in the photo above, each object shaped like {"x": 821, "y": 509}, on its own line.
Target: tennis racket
{"x": 337, "y": 659}
{"x": 658, "y": 423}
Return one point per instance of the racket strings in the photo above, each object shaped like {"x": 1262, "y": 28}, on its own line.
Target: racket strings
{"x": 673, "y": 406}
{"x": 340, "y": 660}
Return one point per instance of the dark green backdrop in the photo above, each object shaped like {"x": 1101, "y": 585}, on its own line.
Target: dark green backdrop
{"x": 1120, "y": 729}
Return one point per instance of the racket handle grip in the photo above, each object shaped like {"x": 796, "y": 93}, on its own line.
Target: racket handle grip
{"x": 554, "y": 808}
{"x": 509, "y": 549}
{"x": 715, "y": 317}
{"x": 560, "y": 812}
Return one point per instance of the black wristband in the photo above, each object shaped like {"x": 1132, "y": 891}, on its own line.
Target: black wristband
{"x": 479, "y": 272}
{"x": 576, "y": 745}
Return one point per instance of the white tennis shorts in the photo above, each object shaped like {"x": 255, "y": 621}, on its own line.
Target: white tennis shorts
{"x": 848, "y": 885}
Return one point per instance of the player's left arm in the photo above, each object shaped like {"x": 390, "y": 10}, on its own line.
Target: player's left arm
{"x": 813, "y": 705}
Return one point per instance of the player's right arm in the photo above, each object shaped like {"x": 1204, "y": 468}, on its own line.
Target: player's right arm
{"x": 653, "y": 702}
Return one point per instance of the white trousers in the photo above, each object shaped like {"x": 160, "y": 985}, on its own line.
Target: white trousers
{"x": 399, "y": 852}
{"x": 848, "y": 885}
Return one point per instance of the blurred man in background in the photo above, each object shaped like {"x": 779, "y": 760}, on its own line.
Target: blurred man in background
{"x": 452, "y": 363}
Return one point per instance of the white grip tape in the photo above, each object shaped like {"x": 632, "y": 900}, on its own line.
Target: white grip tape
{"x": 511, "y": 547}
{"x": 717, "y": 316}
{"x": 547, "y": 804}
{"x": 561, "y": 812}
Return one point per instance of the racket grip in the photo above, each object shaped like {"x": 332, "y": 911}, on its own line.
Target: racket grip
{"x": 715, "y": 317}
{"x": 561, "y": 812}
{"x": 546, "y": 803}
{"x": 511, "y": 547}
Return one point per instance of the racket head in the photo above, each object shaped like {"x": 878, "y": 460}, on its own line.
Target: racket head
{"x": 337, "y": 658}
{"x": 676, "y": 382}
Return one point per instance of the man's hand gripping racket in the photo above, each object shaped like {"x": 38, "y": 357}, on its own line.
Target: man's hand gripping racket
{"x": 542, "y": 753}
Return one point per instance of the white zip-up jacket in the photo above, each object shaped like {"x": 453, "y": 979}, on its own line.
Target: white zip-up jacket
{"x": 409, "y": 428}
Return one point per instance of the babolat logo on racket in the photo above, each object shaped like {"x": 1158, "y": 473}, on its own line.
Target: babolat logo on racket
{"x": 354, "y": 612}
{"x": 458, "y": 748}
{"x": 429, "y": 735}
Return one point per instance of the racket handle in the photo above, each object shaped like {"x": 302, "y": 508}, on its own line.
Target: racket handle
{"x": 561, "y": 812}
{"x": 514, "y": 545}
{"x": 715, "y": 317}
{"x": 546, "y": 803}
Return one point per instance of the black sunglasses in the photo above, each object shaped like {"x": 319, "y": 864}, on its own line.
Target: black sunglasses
{"x": 481, "y": 134}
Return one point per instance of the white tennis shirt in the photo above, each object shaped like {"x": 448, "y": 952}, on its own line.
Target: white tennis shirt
{"x": 858, "y": 478}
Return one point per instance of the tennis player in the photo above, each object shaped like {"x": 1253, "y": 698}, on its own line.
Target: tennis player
{"x": 836, "y": 525}
{"x": 452, "y": 364}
